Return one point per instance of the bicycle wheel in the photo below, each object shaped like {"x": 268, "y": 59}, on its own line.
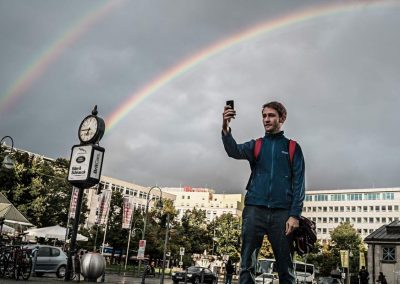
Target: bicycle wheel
{"x": 2, "y": 264}
{"x": 25, "y": 267}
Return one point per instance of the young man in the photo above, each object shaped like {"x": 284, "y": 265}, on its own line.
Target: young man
{"x": 275, "y": 192}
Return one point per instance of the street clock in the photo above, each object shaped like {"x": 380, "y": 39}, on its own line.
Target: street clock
{"x": 91, "y": 129}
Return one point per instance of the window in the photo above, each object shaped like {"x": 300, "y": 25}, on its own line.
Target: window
{"x": 389, "y": 254}
{"x": 44, "y": 251}
{"x": 55, "y": 252}
{"x": 372, "y": 196}
{"x": 388, "y": 195}
{"x": 308, "y": 197}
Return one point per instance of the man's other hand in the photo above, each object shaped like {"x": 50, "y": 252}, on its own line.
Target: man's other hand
{"x": 291, "y": 224}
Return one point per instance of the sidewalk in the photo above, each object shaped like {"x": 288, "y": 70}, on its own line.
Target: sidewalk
{"x": 111, "y": 278}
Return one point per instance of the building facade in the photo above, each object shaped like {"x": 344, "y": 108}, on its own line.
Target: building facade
{"x": 384, "y": 252}
{"x": 366, "y": 209}
{"x": 206, "y": 199}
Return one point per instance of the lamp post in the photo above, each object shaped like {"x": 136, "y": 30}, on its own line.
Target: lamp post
{"x": 8, "y": 162}
{"x": 131, "y": 230}
{"x": 147, "y": 208}
{"x": 165, "y": 250}
{"x": 147, "y": 212}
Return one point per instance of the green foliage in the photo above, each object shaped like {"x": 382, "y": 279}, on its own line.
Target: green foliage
{"x": 39, "y": 189}
{"x": 327, "y": 256}
{"x": 227, "y": 236}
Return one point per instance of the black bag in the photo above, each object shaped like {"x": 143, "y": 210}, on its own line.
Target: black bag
{"x": 305, "y": 236}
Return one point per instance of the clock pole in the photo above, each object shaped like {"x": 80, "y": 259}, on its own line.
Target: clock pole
{"x": 84, "y": 170}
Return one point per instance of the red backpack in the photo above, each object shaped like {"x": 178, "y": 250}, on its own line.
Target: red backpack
{"x": 259, "y": 141}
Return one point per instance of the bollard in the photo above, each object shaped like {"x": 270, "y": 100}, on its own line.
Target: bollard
{"x": 93, "y": 266}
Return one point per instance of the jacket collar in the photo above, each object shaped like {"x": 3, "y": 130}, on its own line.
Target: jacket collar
{"x": 274, "y": 135}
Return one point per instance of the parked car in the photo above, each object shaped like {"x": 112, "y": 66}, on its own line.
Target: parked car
{"x": 50, "y": 259}
{"x": 194, "y": 274}
{"x": 329, "y": 280}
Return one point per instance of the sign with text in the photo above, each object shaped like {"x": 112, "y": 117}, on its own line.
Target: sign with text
{"x": 80, "y": 161}
{"x": 344, "y": 258}
{"x": 85, "y": 165}
{"x": 142, "y": 247}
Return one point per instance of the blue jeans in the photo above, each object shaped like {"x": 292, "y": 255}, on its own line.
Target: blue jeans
{"x": 257, "y": 222}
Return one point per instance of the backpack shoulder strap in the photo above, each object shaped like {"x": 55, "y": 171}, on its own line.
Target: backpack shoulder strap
{"x": 257, "y": 147}
{"x": 292, "y": 148}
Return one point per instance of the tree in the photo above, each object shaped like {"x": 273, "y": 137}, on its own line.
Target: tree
{"x": 345, "y": 237}
{"x": 227, "y": 233}
{"x": 39, "y": 189}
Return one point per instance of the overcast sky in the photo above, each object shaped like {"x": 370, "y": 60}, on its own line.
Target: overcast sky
{"x": 338, "y": 75}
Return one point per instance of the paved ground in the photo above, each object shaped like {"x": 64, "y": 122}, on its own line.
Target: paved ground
{"x": 111, "y": 278}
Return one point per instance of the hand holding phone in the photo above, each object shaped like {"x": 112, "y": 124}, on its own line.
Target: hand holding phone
{"x": 229, "y": 113}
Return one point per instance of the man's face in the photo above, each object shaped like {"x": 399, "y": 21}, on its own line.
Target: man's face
{"x": 272, "y": 122}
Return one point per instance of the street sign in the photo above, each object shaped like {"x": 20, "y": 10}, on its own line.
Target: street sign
{"x": 142, "y": 246}
{"x": 344, "y": 258}
{"x": 180, "y": 263}
{"x": 181, "y": 251}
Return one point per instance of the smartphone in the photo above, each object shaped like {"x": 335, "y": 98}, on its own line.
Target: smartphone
{"x": 231, "y": 104}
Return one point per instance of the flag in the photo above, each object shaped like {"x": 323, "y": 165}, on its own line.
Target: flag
{"x": 126, "y": 213}
{"x": 104, "y": 204}
{"x": 73, "y": 202}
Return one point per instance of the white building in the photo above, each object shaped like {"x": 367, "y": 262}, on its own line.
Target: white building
{"x": 366, "y": 209}
{"x": 138, "y": 196}
{"x": 206, "y": 199}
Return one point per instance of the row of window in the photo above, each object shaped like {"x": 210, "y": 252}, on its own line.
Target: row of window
{"x": 211, "y": 205}
{"x": 127, "y": 191}
{"x": 376, "y": 208}
{"x": 350, "y": 196}
{"x": 353, "y": 220}
{"x": 329, "y": 230}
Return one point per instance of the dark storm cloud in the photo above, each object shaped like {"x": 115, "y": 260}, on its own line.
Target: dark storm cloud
{"x": 338, "y": 76}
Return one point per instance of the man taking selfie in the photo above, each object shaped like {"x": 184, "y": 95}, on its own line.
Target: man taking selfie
{"x": 275, "y": 191}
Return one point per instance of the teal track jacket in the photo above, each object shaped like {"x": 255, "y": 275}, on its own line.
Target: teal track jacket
{"x": 274, "y": 182}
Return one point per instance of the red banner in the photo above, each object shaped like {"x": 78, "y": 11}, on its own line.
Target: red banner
{"x": 126, "y": 213}
{"x": 73, "y": 202}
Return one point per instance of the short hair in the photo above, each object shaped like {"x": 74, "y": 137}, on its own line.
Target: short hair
{"x": 278, "y": 107}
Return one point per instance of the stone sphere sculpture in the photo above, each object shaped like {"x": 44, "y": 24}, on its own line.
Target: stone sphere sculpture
{"x": 93, "y": 266}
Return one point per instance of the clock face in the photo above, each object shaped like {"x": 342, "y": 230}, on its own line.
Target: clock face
{"x": 88, "y": 129}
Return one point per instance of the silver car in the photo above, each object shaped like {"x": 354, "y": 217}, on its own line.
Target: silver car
{"x": 49, "y": 260}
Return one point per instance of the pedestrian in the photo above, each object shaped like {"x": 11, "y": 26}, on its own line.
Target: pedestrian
{"x": 229, "y": 270}
{"x": 275, "y": 192}
{"x": 381, "y": 278}
{"x": 363, "y": 275}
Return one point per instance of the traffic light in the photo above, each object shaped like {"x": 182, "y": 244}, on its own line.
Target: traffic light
{"x": 100, "y": 187}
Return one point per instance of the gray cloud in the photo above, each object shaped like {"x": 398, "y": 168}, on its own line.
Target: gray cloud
{"x": 337, "y": 75}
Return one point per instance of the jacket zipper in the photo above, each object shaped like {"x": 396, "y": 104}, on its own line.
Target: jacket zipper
{"x": 272, "y": 170}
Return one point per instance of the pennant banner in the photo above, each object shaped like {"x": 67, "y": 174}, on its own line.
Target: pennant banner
{"x": 104, "y": 204}
{"x": 73, "y": 202}
{"x": 126, "y": 213}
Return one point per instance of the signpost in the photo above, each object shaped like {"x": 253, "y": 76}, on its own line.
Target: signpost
{"x": 181, "y": 253}
{"x": 142, "y": 247}
{"x": 84, "y": 170}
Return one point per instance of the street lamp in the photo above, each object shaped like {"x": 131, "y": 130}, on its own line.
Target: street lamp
{"x": 8, "y": 162}
{"x": 131, "y": 230}
{"x": 159, "y": 205}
